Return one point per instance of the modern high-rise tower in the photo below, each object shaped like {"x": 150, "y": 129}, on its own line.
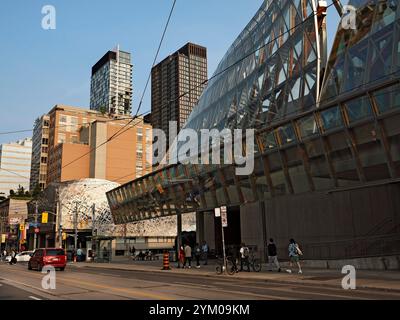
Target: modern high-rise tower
{"x": 183, "y": 71}
{"x": 40, "y": 149}
{"x": 111, "y": 85}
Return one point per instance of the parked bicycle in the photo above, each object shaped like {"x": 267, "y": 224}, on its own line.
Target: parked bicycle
{"x": 231, "y": 265}
{"x": 255, "y": 263}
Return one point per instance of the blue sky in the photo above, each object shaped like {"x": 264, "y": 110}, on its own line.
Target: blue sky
{"x": 39, "y": 68}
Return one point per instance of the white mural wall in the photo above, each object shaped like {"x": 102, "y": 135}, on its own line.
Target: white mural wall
{"x": 83, "y": 194}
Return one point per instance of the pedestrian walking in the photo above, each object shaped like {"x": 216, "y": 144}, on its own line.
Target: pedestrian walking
{"x": 13, "y": 259}
{"x": 181, "y": 256}
{"x": 188, "y": 256}
{"x": 244, "y": 257}
{"x": 205, "y": 250}
{"x": 294, "y": 255}
{"x": 79, "y": 254}
{"x": 272, "y": 255}
{"x": 197, "y": 255}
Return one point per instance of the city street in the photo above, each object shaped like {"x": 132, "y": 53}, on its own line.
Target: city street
{"x": 91, "y": 283}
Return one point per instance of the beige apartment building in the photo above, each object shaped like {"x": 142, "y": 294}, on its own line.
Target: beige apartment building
{"x": 77, "y": 147}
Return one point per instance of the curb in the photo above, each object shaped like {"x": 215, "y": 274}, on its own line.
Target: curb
{"x": 272, "y": 281}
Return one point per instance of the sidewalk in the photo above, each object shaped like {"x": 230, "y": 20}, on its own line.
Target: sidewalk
{"x": 371, "y": 280}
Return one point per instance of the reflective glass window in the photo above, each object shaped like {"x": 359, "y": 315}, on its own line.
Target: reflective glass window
{"x": 307, "y": 126}
{"x": 388, "y": 99}
{"x": 358, "y": 109}
{"x": 332, "y": 118}
{"x": 286, "y": 134}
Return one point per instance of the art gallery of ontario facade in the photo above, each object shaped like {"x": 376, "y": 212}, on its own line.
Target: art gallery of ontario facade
{"x": 327, "y": 158}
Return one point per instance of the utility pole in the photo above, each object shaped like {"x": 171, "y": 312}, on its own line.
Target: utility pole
{"x": 36, "y": 222}
{"x": 179, "y": 238}
{"x": 59, "y": 215}
{"x": 93, "y": 226}
{"x": 76, "y": 227}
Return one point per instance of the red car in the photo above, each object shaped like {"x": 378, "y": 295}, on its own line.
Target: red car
{"x": 54, "y": 257}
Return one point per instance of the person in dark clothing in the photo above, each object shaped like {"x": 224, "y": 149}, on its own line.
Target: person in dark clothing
{"x": 244, "y": 257}
{"x": 197, "y": 255}
{"x": 272, "y": 255}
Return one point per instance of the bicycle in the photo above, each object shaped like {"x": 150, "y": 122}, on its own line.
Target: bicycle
{"x": 255, "y": 263}
{"x": 231, "y": 266}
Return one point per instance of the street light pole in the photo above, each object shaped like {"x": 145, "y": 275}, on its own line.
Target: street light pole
{"x": 93, "y": 226}
{"x": 36, "y": 222}
{"x": 76, "y": 227}
{"x": 59, "y": 224}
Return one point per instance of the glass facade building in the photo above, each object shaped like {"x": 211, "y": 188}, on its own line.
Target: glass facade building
{"x": 111, "y": 84}
{"x": 40, "y": 149}
{"x": 322, "y": 127}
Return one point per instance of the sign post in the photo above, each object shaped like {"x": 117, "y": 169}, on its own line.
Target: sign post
{"x": 222, "y": 212}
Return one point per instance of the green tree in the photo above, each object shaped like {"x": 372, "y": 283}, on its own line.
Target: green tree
{"x": 103, "y": 110}
{"x": 21, "y": 191}
{"x": 36, "y": 191}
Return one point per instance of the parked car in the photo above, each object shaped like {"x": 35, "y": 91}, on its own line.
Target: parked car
{"x": 54, "y": 257}
{"x": 24, "y": 256}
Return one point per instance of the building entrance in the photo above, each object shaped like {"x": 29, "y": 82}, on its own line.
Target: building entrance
{"x": 232, "y": 233}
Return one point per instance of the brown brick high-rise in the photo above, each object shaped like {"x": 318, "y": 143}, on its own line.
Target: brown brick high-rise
{"x": 182, "y": 71}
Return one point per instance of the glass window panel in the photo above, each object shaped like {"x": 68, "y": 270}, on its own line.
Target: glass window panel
{"x": 381, "y": 55}
{"x": 307, "y": 126}
{"x": 332, "y": 118}
{"x": 286, "y": 134}
{"x": 356, "y": 65}
{"x": 358, "y": 109}
{"x": 388, "y": 99}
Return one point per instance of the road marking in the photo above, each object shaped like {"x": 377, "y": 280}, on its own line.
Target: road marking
{"x": 34, "y": 298}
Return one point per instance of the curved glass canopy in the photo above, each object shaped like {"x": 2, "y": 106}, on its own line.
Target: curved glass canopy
{"x": 269, "y": 72}
{"x": 366, "y": 55}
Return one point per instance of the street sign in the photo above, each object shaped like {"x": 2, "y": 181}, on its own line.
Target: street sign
{"x": 217, "y": 212}
{"x": 37, "y": 230}
{"x": 64, "y": 236}
{"x": 21, "y": 227}
{"x": 3, "y": 238}
{"x": 45, "y": 217}
{"x": 224, "y": 217}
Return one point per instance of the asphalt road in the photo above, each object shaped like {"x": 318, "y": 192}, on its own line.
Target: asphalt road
{"x": 8, "y": 292}
{"x": 107, "y": 284}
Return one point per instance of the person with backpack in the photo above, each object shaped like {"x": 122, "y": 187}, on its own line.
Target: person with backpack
{"x": 244, "y": 257}
{"x": 188, "y": 256}
{"x": 197, "y": 255}
{"x": 13, "y": 259}
{"x": 272, "y": 255}
{"x": 205, "y": 250}
{"x": 294, "y": 255}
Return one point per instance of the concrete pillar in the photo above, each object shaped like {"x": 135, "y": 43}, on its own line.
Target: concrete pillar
{"x": 199, "y": 227}
{"x": 209, "y": 229}
{"x": 252, "y": 222}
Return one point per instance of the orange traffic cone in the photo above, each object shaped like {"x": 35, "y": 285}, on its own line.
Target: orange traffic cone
{"x": 166, "y": 261}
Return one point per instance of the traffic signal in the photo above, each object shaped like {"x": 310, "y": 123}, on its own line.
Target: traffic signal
{"x": 45, "y": 217}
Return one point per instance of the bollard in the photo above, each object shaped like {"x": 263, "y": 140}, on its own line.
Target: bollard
{"x": 166, "y": 261}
